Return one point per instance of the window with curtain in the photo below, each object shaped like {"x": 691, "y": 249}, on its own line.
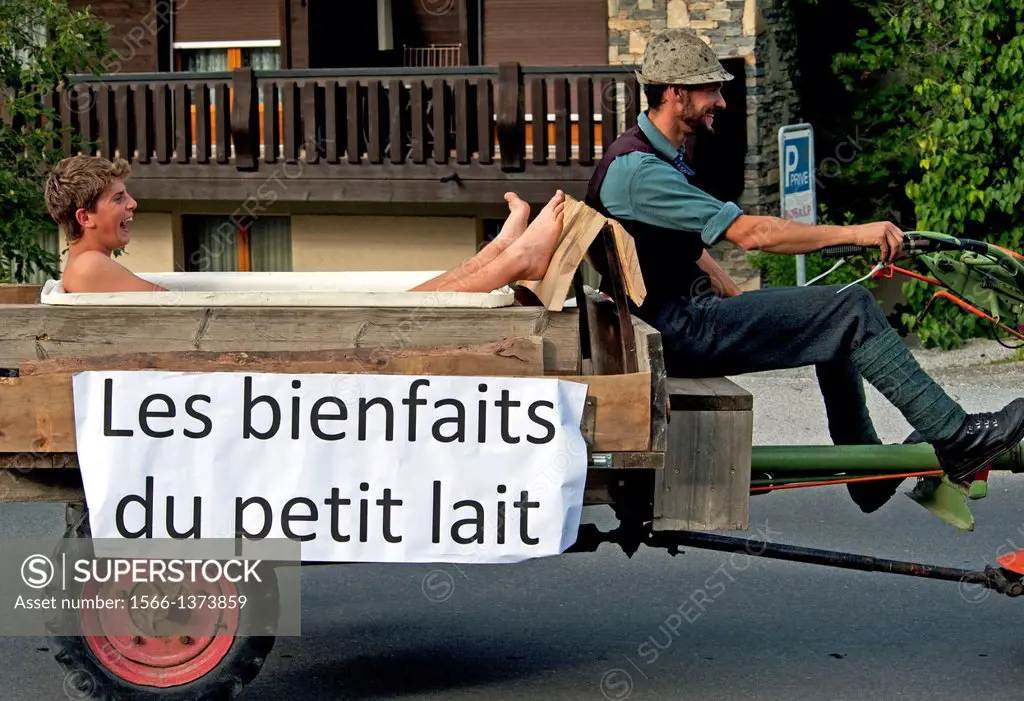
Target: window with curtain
{"x": 222, "y": 244}
{"x": 210, "y": 59}
{"x": 203, "y": 60}
{"x": 213, "y": 59}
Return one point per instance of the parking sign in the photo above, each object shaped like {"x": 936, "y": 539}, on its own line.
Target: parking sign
{"x": 797, "y": 198}
{"x": 796, "y": 171}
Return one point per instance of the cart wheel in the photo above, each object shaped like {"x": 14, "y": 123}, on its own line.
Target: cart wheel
{"x": 146, "y": 666}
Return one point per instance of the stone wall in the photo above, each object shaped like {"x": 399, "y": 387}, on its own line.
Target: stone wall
{"x": 759, "y": 31}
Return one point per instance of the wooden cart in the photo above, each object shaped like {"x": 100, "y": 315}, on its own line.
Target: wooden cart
{"x": 666, "y": 454}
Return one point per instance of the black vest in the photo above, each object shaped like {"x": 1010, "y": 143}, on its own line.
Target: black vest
{"x": 668, "y": 257}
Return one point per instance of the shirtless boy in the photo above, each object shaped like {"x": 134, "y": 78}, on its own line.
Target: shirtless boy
{"x": 86, "y": 196}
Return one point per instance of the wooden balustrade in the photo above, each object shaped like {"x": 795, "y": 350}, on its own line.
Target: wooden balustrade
{"x": 508, "y": 118}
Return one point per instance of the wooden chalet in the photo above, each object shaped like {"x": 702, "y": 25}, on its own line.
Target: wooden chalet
{"x": 306, "y": 135}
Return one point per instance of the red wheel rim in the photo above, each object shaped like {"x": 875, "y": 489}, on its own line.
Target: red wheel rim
{"x": 173, "y": 656}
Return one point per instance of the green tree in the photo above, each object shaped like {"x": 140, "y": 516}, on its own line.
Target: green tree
{"x": 42, "y": 42}
{"x": 953, "y": 116}
{"x": 932, "y": 87}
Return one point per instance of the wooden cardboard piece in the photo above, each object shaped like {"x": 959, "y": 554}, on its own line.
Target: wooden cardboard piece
{"x": 625, "y": 248}
{"x": 581, "y": 226}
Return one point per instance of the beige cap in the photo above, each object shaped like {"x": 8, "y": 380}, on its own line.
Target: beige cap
{"x": 680, "y": 57}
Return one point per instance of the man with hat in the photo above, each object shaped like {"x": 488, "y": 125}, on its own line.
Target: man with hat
{"x": 710, "y": 328}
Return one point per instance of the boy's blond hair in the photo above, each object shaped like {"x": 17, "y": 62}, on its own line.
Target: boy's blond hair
{"x": 77, "y": 183}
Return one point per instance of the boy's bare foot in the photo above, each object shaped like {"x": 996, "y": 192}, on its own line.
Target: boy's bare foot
{"x": 533, "y": 250}
{"x": 518, "y": 219}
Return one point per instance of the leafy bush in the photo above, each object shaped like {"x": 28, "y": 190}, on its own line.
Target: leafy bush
{"x": 41, "y": 43}
{"x": 935, "y": 90}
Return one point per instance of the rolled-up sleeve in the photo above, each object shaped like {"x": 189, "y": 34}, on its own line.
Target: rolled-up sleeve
{"x": 662, "y": 197}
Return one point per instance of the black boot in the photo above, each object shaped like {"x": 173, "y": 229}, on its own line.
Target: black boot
{"x": 981, "y": 440}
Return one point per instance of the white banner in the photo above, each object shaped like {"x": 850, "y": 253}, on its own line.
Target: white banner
{"x": 360, "y": 468}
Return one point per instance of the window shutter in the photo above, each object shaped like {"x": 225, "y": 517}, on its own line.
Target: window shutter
{"x": 226, "y": 20}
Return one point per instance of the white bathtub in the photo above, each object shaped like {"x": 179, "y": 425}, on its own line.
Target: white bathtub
{"x": 341, "y": 289}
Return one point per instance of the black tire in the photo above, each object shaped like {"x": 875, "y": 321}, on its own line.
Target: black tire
{"x": 85, "y": 676}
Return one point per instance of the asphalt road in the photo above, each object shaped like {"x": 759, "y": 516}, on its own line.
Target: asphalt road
{"x": 702, "y": 625}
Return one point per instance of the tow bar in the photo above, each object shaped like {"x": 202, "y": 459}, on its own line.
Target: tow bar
{"x": 1006, "y": 579}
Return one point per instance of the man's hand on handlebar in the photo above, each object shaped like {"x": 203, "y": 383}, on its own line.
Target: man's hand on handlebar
{"x": 885, "y": 236}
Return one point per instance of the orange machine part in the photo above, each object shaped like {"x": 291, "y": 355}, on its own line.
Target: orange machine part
{"x": 1014, "y": 562}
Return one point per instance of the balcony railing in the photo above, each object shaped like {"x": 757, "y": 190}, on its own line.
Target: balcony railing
{"x": 484, "y": 122}
{"x": 433, "y": 55}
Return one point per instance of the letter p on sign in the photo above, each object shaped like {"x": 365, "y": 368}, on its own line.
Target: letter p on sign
{"x": 792, "y": 158}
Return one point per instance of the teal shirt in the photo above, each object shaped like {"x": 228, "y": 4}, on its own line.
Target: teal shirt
{"x": 642, "y": 187}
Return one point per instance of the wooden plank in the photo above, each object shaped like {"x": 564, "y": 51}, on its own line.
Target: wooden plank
{"x": 67, "y": 117}
{"x": 245, "y": 116}
{"x": 461, "y": 99}
{"x": 105, "y": 114}
{"x": 705, "y": 485}
{"x": 36, "y": 415}
{"x": 162, "y": 122}
{"x": 708, "y": 394}
{"x": 633, "y": 460}
{"x": 609, "y": 112}
{"x": 380, "y": 186}
{"x": 620, "y": 460}
{"x": 65, "y": 486}
{"x": 396, "y": 133}
{"x": 418, "y": 113}
{"x": 19, "y": 294}
{"x": 271, "y": 121}
{"x": 40, "y": 331}
{"x": 511, "y": 356}
{"x": 334, "y": 121}
{"x": 223, "y": 122}
{"x": 290, "y": 120}
{"x": 41, "y": 486}
{"x": 585, "y": 110}
{"x": 375, "y": 117}
{"x": 618, "y": 293}
{"x": 485, "y": 120}
{"x": 632, "y": 102}
{"x": 385, "y": 171}
{"x": 650, "y": 356}
{"x": 605, "y": 341}
{"x": 182, "y": 123}
{"x": 86, "y": 127}
{"x": 123, "y": 105}
{"x": 312, "y": 141}
{"x": 203, "y": 135}
{"x": 26, "y": 461}
{"x": 563, "y": 121}
{"x": 539, "y": 102}
{"x": 37, "y": 412}
{"x": 439, "y": 105}
{"x": 353, "y": 142}
{"x": 511, "y": 121}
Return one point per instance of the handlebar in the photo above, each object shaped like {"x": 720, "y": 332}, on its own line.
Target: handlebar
{"x": 911, "y": 242}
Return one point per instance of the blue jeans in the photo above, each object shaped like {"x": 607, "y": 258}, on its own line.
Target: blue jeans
{"x": 774, "y": 329}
